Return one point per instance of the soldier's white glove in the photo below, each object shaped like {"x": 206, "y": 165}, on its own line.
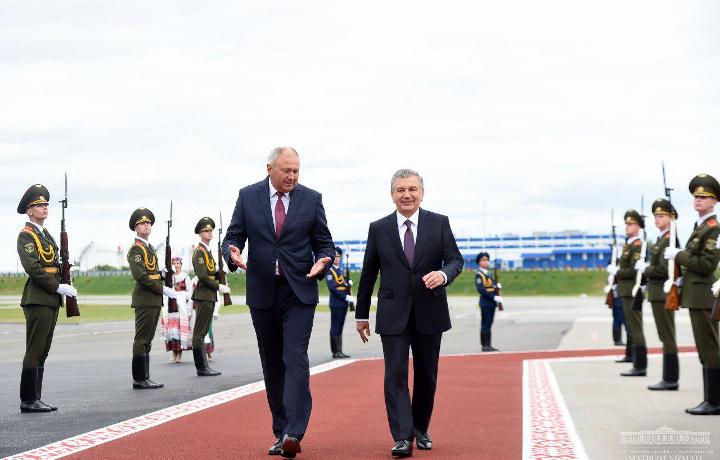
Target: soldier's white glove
{"x": 499, "y": 286}
{"x": 349, "y": 298}
{"x": 66, "y": 289}
{"x": 670, "y": 253}
{"x": 610, "y": 279}
{"x": 667, "y": 286}
{"x": 607, "y": 289}
{"x": 498, "y": 299}
{"x": 612, "y": 269}
{"x": 641, "y": 266}
{"x": 170, "y": 292}
{"x": 350, "y": 283}
{"x": 680, "y": 281}
{"x": 716, "y": 288}
{"x": 224, "y": 289}
{"x": 163, "y": 272}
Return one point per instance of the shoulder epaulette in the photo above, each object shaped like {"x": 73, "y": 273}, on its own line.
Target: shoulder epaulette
{"x": 139, "y": 243}
{"x": 637, "y": 242}
{"x": 27, "y": 229}
{"x": 712, "y": 223}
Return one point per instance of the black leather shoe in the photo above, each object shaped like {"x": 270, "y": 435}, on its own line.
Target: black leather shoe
{"x": 290, "y": 446}
{"x": 402, "y": 448}
{"x": 626, "y": 359}
{"x": 52, "y": 408}
{"x": 33, "y": 406}
{"x": 705, "y": 408}
{"x": 146, "y": 385}
{"x": 634, "y": 372}
{"x": 664, "y": 386}
{"x": 423, "y": 440}
{"x": 275, "y": 448}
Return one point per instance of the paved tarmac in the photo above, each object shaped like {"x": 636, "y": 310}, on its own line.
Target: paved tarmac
{"x": 88, "y": 371}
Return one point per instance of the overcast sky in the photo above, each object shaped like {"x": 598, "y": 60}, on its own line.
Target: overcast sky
{"x": 550, "y": 112}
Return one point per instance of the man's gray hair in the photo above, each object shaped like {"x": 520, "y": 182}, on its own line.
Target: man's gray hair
{"x": 404, "y": 173}
{"x": 276, "y": 152}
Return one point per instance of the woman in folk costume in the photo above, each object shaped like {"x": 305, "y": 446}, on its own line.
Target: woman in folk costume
{"x": 176, "y": 326}
{"x": 209, "y": 340}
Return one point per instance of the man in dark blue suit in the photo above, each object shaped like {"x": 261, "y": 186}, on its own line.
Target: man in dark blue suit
{"x": 416, "y": 254}
{"x": 284, "y": 225}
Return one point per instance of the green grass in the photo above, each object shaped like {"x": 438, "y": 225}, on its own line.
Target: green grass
{"x": 515, "y": 283}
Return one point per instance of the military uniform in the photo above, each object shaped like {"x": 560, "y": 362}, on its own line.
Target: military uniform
{"x": 205, "y": 295}
{"x": 487, "y": 288}
{"x": 147, "y": 300}
{"x": 626, "y": 277}
{"x": 338, "y": 288}
{"x": 40, "y": 300}
{"x": 699, "y": 261}
{"x": 657, "y": 274}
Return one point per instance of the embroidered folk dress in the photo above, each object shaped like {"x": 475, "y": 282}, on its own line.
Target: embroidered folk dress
{"x": 176, "y": 326}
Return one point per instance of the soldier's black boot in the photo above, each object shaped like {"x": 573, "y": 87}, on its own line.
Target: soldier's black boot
{"x": 489, "y": 341}
{"x": 333, "y": 347}
{"x": 140, "y": 374}
{"x": 41, "y": 373}
{"x": 711, "y": 405}
{"x": 147, "y": 372}
{"x": 201, "y": 364}
{"x": 628, "y": 352}
{"x": 639, "y": 368}
{"x": 339, "y": 348}
{"x": 671, "y": 372}
{"x": 485, "y": 341}
{"x": 29, "y": 400}
{"x": 617, "y": 337}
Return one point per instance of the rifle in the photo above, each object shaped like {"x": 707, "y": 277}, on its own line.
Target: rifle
{"x": 71, "y": 305}
{"x": 610, "y": 299}
{"x": 347, "y": 278}
{"x": 672, "y": 301}
{"x": 172, "y": 303}
{"x": 716, "y": 310}
{"x": 639, "y": 276}
{"x": 221, "y": 266}
{"x": 497, "y": 280}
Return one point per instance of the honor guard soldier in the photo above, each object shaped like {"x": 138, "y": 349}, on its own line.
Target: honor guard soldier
{"x": 339, "y": 301}
{"x": 699, "y": 260}
{"x": 205, "y": 294}
{"x": 147, "y": 296}
{"x": 657, "y": 274}
{"x": 489, "y": 301}
{"x": 626, "y": 273}
{"x": 41, "y": 297}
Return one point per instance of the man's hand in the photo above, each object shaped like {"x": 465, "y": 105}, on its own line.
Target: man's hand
{"x": 224, "y": 289}
{"x": 236, "y": 257}
{"x": 349, "y": 299}
{"x": 641, "y": 266}
{"x": 318, "y": 267}
{"x": 670, "y": 253}
{"x": 498, "y": 299}
{"x": 363, "y": 328}
{"x": 716, "y": 288}
{"x": 612, "y": 269}
{"x": 499, "y": 286}
{"x": 433, "y": 280}
{"x": 67, "y": 290}
{"x": 350, "y": 283}
{"x": 169, "y": 292}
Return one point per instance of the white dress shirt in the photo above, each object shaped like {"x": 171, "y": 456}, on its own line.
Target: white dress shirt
{"x": 143, "y": 240}
{"x": 273, "y": 202}
{"x": 39, "y": 227}
{"x": 632, "y": 240}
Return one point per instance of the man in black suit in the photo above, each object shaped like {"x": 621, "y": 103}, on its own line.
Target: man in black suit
{"x": 284, "y": 224}
{"x": 416, "y": 254}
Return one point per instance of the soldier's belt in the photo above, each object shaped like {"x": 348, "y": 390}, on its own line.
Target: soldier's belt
{"x": 155, "y": 277}
{"x": 51, "y": 269}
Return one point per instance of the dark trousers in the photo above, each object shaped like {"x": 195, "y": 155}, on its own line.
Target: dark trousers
{"x": 705, "y": 331}
{"x": 283, "y": 334}
{"x": 337, "y": 320}
{"x": 40, "y": 324}
{"x": 665, "y": 325}
{"x": 633, "y": 322}
{"x": 203, "y": 318}
{"x": 146, "y": 321}
{"x": 618, "y": 316}
{"x": 487, "y": 316}
{"x": 403, "y": 413}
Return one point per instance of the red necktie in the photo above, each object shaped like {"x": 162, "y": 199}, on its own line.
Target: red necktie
{"x": 279, "y": 222}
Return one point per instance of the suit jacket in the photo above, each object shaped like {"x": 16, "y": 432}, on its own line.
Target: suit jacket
{"x": 38, "y": 254}
{"x": 401, "y": 286}
{"x": 699, "y": 261}
{"x": 486, "y": 287}
{"x": 304, "y": 234}
{"x": 207, "y": 272}
{"x": 626, "y": 275}
{"x": 337, "y": 286}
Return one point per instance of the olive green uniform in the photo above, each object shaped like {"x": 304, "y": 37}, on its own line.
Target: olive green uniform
{"x": 40, "y": 301}
{"x": 147, "y": 296}
{"x": 699, "y": 261}
{"x": 205, "y": 294}
{"x": 625, "y": 282}
{"x": 657, "y": 274}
